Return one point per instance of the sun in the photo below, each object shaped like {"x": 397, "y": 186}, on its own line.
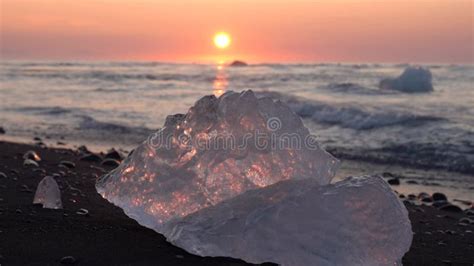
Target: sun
{"x": 222, "y": 40}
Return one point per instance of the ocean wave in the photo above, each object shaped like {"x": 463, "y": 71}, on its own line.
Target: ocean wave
{"x": 39, "y": 110}
{"x": 104, "y": 75}
{"x": 354, "y": 117}
{"x": 446, "y": 156}
{"x": 355, "y": 88}
{"x": 90, "y": 123}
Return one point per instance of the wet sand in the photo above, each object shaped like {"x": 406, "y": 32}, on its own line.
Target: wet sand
{"x": 31, "y": 235}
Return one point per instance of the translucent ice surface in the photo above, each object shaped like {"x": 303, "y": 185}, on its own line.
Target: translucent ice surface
{"x": 221, "y": 148}
{"x": 358, "y": 221}
{"x": 48, "y": 194}
{"x": 241, "y": 176}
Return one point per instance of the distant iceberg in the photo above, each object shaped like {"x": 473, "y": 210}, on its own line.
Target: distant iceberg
{"x": 413, "y": 79}
{"x": 238, "y": 63}
{"x": 242, "y": 177}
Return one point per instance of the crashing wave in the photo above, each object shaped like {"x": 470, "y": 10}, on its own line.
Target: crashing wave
{"x": 351, "y": 116}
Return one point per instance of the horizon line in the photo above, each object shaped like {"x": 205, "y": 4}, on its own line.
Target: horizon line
{"x": 186, "y": 62}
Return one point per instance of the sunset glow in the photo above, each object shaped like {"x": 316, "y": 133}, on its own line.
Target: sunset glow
{"x": 283, "y": 30}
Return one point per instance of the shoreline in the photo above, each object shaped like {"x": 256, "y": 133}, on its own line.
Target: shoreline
{"x": 106, "y": 236}
{"x": 413, "y": 180}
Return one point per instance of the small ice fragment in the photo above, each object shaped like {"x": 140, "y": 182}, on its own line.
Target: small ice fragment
{"x": 32, "y": 155}
{"x": 48, "y": 194}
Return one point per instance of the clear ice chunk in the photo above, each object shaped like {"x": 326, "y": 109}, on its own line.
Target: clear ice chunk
{"x": 241, "y": 176}
{"x": 48, "y": 194}
{"x": 357, "y": 221}
{"x": 221, "y": 148}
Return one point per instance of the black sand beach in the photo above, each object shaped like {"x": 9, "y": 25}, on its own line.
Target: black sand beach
{"x": 31, "y": 235}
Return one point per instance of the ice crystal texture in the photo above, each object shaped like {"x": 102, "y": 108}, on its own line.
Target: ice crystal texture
{"x": 358, "y": 221}
{"x": 241, "y": 176}
{"x": 48, "y": 194}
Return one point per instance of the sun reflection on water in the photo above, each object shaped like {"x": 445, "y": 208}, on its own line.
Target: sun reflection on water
{"x": 220, "y": 82}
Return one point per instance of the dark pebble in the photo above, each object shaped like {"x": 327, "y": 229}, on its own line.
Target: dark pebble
{"x": 91, "y": 158}
{"x": 412, "y": 182}
{"x": 469, "y": 212}
{"x": 427, "y": 200}
{"x": 37, "y": 139}
{"x": 60, "y": 143}
{"x": 450, "y": 208}
{"x": 29, "y": 162}
{"x": 113, "y": 154}
{"x": 67, "y": 164}
{"x": 387, "y": 174}
{"x": 83, "y": 149}
{"x": 68, "y": 260}
{"x": 2, "y": 130}
{"x": 437, "y": 196}
{"x": 26, "y": 189}
{"x": 32, "y": 155}
{"x": 40, "y": 144}
{"x": 439, "y": 203}
{"x": 394, "y": 181}
{"x": 411, "y": 196}
{"x": 466, "y": 220}
{"x": 15, "y": 172}
{"x": 450, "y": 232}
{"x": 423, "y": 195}
{"x": 110, "y": 162}
{"x": 83, "y": 212}
{"x": 39, "y": 171}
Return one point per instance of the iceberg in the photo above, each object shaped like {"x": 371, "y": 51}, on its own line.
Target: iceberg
{"x": 241, "y": 176}
{"x": 413, "y": 79}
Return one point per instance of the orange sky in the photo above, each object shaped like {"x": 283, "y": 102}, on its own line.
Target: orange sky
{"x": 262, "y": 31}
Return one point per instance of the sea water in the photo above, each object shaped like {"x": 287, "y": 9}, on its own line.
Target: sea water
{"x": 105, "y": 104}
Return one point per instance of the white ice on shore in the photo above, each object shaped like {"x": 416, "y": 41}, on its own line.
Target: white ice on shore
{"x": 241, "y": 176}
{"x": 48, "y": 194}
